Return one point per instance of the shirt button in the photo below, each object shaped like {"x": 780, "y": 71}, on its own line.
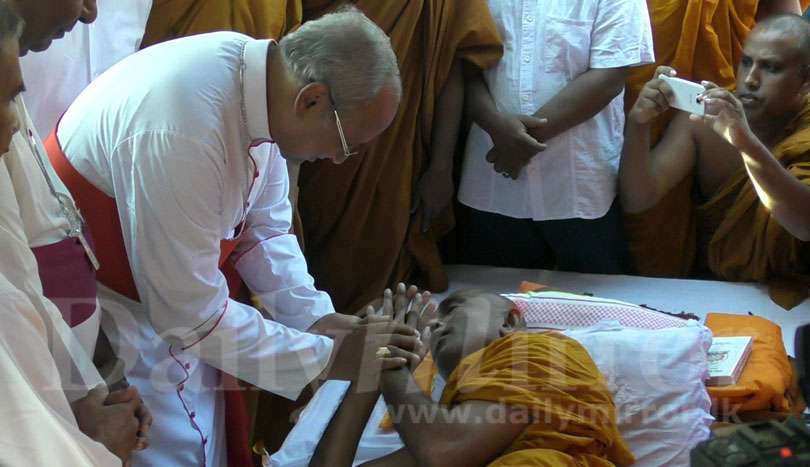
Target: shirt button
{"x": 180, "y": 387}
{"x": 192, "y": 414}
{"x": 188, "y": 366}
{"x": 526, "y": 60}
{"x": 530, "y": 19}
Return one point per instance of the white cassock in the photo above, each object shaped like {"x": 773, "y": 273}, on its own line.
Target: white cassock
{"x": 38, "y": 426}
{"x": 54, "y": 77}
{"x": 44, "y": 223}
{"x": 179, "y": 135}
{"x": 19, "y": 267}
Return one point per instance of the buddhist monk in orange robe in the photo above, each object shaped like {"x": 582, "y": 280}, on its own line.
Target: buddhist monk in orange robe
{"x": 726, "y": 196}
{"x": 702, "y": 41}
{"x": 512, "y": 398}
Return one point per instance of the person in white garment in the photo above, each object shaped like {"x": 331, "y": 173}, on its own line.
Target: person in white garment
{"x": 80, "y": 57}
{"x": 540, "y": 170}
{"x": 175, "y": 155}
{"x": 49, "y": 219}
{"x": 46, "y": 416}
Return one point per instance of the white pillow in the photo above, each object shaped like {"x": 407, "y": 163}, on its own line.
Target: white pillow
{"x": 657, "y": 381}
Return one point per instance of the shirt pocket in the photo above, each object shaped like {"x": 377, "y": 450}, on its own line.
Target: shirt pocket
{"x": 566, "y": 46}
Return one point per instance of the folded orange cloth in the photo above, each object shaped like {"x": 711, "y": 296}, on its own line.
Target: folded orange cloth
{"x": 526, "y": 287}
{"x": 767, "y": 376}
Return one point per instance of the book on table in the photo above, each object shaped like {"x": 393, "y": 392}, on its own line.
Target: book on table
{"x": 727, "y": 359}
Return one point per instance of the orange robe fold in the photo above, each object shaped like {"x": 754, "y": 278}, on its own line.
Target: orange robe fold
{"x": 552, "y": 377}
{"x": 262, "y": 19}
{"x": 358, "y": 230}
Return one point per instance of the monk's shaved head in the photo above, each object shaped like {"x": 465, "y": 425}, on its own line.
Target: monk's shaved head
{"x": 789, "y": 25}
{"x": 498, "y": 304}
{"x": 467, "y": 321}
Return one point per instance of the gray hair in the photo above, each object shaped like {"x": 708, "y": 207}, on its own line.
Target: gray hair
{"x": 11, "y": 25}
{"x": 346, "y": 51}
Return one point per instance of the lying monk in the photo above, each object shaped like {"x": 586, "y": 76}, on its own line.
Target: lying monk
{"x": 512, "y": 398}
{"x": 745, "y": 165}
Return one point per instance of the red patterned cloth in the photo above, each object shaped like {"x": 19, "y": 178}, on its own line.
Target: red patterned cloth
{"x": 559, "y": 310}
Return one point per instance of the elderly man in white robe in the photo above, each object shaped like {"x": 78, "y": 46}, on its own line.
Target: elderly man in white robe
{"x": 177, "y": 157}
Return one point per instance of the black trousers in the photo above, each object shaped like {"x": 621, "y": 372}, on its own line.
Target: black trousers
{"x": 580, "y": 245}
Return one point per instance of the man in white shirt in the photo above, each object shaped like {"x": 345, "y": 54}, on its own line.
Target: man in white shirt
{"x": 181, "y": 144}
{"x": 540, "y": 168}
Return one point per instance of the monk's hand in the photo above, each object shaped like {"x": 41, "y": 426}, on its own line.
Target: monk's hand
{"x": 407, "y": 305}
{"x": 142, "y": 413}
{"x": 357, "y": 355}
{"x": 514, "y": 146}
{"x": 725, "y": 115}
{"x": 433, "y": 195}
{"x": 654, "y": 98}
{"x": 421, "y": 312}
{"x": 113, "y": 425}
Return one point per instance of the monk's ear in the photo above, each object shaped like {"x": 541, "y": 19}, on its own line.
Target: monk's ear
{"x": 514, "y": 322}
{"x": 313, "y": 100}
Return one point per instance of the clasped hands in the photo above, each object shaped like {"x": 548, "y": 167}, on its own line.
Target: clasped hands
{"x": 389, "y": 333}
{"x": 516, "y": 140}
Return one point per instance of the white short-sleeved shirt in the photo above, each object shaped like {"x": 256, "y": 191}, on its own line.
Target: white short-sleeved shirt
{"x": 548, "y": 44}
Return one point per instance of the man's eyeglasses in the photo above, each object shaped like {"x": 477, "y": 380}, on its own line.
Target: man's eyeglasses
{"x": 346, "y": 151}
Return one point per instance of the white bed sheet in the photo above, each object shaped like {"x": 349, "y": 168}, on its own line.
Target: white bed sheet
{"x": 699, "y": 297}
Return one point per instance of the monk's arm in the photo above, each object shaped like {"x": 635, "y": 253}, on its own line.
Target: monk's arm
{"x": 580, "y": 100}
{"x": 447, "y": 121}
{"x": 338, "y": 444}
{"x": 470, "y": 434}
{"x": 770, "y": 7}
{"x": 435, "y": 188}
{"x": 480, "y": 105}
{"x": 646, "y": 175}
{"x": 401, "y": 458}
{"x": 784, "y": 195}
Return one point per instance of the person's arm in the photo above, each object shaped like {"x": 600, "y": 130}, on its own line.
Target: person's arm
{"x": 465, "y": 435}
{"x": 513, "y": 146}
{"x": 338, "y": 444}
{"x": 771, "y": 7}
{"x": 434, "y": 191}
{"x": 781, "y": 193}
{"x": 400, "y": 458}
{"x": 645, "y": 175}
{"x": 169, "y": 191}
{"x": 269, "y": 258}
{"x": 579, "y": 101}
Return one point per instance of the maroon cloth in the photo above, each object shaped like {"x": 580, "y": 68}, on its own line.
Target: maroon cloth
{"x": 68, "y": 278}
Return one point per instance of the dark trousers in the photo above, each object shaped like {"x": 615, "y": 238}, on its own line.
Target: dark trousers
{"x": 580, "y": 245}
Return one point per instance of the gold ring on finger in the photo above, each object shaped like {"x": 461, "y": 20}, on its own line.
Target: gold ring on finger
{"x": 383, "y": 352}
